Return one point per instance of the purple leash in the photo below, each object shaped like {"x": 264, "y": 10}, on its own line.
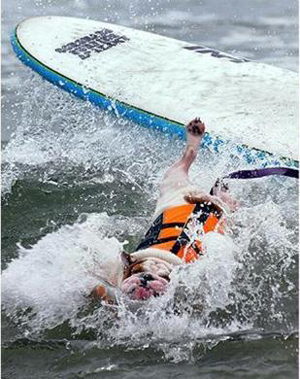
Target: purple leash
{"x": 258, "y": 173}
{"x": 261, "y": 172}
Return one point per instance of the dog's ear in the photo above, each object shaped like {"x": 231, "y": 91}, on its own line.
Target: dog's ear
{"x": 126, "y": 259}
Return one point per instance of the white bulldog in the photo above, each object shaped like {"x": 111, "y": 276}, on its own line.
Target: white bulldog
{"x": 183, "y": 214}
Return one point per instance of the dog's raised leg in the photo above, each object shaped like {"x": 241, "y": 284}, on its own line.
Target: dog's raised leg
{"x": 194, "y": 133}
{"x": 177, "y": 175}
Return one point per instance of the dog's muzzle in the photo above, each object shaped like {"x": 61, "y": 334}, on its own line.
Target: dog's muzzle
{"x": 142, "y": 286}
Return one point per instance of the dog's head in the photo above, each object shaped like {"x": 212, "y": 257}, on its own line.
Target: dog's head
{"x": 145, "y": 277}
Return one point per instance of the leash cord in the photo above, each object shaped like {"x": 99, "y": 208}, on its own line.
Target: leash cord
{"x": 258, "y": 173}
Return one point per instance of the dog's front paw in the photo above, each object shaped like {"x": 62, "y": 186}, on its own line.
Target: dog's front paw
{"x": 102, "y": 293}
{"x": 196, "y": 127}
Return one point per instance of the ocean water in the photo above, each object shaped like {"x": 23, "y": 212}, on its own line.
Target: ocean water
{"x": 78, "y": 185}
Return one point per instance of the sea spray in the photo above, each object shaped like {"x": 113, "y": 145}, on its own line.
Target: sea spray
{"x": 50, "y": 281}
{"x": 234, "y": 288}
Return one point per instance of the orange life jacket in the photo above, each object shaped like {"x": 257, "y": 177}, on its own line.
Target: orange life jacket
{"x": 169, "y": 231}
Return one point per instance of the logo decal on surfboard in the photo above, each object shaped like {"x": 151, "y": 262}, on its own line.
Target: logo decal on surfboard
{"x": 97, "y": 42}
{"x": 216, "y": 53}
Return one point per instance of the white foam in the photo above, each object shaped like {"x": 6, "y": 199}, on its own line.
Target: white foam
{"x": 246, "y": 277}
{"x": 54, "y": 276}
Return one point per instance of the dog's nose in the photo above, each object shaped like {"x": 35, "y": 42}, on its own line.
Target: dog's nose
{"x": 146, "y": 278}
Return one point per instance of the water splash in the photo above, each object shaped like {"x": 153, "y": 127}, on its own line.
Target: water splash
{"x": 58, "y": 134}
{"x": 49, "y": 284}
{"x": 249, "y": 283}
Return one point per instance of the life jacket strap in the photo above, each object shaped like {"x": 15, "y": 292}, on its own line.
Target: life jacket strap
{"x": 152, "y": 241}
{"x": 151, "y": 237}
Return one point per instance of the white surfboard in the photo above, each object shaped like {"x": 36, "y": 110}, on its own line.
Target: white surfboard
{"x": 164, "y": 83}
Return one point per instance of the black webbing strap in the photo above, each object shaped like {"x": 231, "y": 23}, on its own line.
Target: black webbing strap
{"x": 151, "y": 237}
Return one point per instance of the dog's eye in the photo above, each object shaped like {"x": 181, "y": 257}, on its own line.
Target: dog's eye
{"x": 126, "y": 272}
{"x": 136, "y": 269}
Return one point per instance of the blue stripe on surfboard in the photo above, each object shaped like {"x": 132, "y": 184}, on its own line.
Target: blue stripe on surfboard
{"x": 139, "y": 116}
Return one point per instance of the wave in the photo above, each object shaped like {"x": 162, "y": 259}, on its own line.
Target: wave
{"x": 244, "y": 282}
